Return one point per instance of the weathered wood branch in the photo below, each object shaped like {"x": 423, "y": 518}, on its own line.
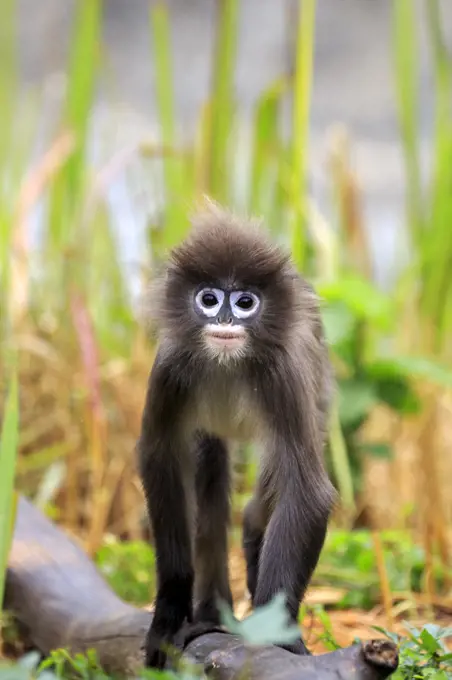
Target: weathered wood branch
{"x": 61, "y": 600}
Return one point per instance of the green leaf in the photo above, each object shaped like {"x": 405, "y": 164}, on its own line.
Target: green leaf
{"x": 421, "y": 367}
{"x": 398, "y": 394}
{"x": 429, "y": 642}
{"x": 363, "y": 299}
{"x": 438, "y": 675}
{"x": 10, "y": 671}
{"x": 30, "y": 661}
{"x": 228, "y": 619}
{"x": 129, "y": 568}
{"x": 356, "y": 399}
{"x": 338, "y": 322}
{"x": 392, "y": 636}
{"x": 269, "y": 624}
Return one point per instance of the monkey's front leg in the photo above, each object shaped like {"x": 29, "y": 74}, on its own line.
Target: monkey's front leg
{"x": 211, "y": 545}
{"x": 290, "y": 551}
{"x": 167, "y": 482}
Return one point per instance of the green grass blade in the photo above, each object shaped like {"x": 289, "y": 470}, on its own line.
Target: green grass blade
{"x": 82, "y": 80}
{"x": 8, "y": 453}
{"x": 161, "y": 44}
{"x": 8, "y": 85}
{"x": 438, "y": 246}
{"x": 266, "y": 149}
{"x": 341, "y": 464}
{"x": 176, "y": 184}
{"x": 106, "y": 292}
{"x": 301, "y": 110}
{"x": 278, "y": 218}
{"x": 201, "y": 152}
{"x": 437, "y": 252}
{"x": 406, "y": 77}
{"x": 8, "y": 77}
{"x": 222, "y": 106}
{"x": 82, "y": 72}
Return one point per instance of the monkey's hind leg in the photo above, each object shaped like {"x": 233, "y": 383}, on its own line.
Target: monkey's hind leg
{"x": 253, "y": 536}
{"x": 213, "y": 515}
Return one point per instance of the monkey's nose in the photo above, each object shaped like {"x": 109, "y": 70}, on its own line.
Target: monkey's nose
{"x": 225, "y": 318}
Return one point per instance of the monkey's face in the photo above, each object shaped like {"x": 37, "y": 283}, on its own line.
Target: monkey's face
{"x": 225, "y": 315}
{"x": 228, "y": 294}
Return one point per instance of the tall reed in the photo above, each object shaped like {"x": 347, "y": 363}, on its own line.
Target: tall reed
{"x": 7, "y": 100}
{"x": 63, "y": 244}
{"x": 8, "y": 452}
{"x": 90, "y": 347}
{"x": 428, "y": 286}
{"x": 301, "y": 118}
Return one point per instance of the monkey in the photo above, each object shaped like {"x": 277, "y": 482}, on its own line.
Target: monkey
{"x": 241, "y": 356}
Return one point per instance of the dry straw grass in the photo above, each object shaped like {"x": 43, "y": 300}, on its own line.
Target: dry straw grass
{"x": 100, "y": 491}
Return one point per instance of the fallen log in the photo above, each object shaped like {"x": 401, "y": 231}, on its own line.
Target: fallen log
{"x": 60, "y": 599}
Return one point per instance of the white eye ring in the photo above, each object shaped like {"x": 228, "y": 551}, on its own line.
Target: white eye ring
{"x": 240, "y": 312}
{"x": 208, "y": 310}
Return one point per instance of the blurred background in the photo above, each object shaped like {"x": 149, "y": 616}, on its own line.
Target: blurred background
{"x": 332, "y": 120}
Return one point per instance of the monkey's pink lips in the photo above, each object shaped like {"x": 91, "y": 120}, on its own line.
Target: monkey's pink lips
{"x": 225, "y": 338}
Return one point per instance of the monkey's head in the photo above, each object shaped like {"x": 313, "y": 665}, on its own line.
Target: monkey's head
{"x": 228, "y": 292}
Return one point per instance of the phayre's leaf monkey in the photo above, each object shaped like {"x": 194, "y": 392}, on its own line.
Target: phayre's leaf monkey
{"x": 241, "y": 356}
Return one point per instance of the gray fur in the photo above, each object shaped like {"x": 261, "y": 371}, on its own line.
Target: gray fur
{"x": 275, "y": 390}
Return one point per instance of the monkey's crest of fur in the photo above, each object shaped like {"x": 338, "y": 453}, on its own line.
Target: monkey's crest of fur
{"x": 222, "y": 249}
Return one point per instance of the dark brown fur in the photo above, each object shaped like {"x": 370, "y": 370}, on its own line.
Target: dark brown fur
{"x": 277, "y": 394}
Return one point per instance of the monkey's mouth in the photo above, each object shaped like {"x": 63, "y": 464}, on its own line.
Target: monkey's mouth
{"x": 228, "y": 337}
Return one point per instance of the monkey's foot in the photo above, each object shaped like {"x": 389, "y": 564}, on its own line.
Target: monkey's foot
{"x": 298, "y": 647}
{"x": 206, "y": 611}
{"x": 162, "y": 643}
{"x": 159, "y": 648}
{"x": 155, "y": 654}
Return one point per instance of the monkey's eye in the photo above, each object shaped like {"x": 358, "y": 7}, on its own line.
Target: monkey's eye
{"x": 244, "y": 304}
{"x": 209, "y": 301}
